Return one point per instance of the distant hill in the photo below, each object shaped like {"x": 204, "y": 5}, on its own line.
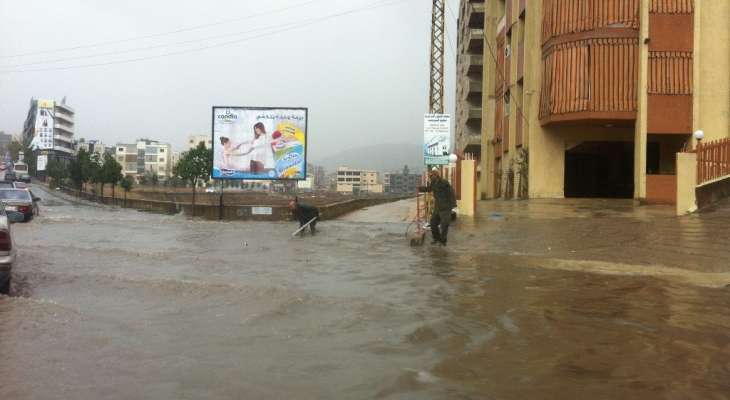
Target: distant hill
{"x": 381, "y": 157}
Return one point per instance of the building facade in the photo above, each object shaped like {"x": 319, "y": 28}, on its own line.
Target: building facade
{"x": 594, "y": 98}
{"x": 355, "y": 181}
{"x": 93, "y": 146}
{"x": 145, "y": 157}
{"x": 403, "y": 183}
{"x": 195, "y": 140}
{"x": 49, "y": 128}
{"x": 470, "y": 78}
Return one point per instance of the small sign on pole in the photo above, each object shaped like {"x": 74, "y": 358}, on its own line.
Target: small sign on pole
{"x": 436, "y": 139}
{"x": 41, "y": 162}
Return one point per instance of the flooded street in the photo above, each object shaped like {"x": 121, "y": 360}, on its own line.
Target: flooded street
{"x": 536, "y": 301}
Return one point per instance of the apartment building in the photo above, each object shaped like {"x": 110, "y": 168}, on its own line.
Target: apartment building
{"x": 594, "y": 98}
{"x": 49, "y": 126}
{"x": 470, "y": 78}
{"x": 195, "y": 140}
{"x": 93, "y": 146}
{"x": 145, "y": 156}
{"x": 356, "y": 181}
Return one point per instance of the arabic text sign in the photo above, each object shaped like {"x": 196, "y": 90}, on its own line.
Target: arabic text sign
{"x": 436, "y": 139}
{"x": 259, "y": 143}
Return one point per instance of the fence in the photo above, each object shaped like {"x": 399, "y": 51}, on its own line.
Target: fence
{"x": 713, "y": 160}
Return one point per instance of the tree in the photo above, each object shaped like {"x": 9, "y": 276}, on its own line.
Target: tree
{"x": 79, "y": 169}
{"x": 111, "y": 172}
{"x": 127, "y": 182}
{"x": 151, "y": 178}
{"x": 57, "y": 171}
{"x": 14, "y": 148}
{"x": 194, "y": 166}
{"x": 95, "y": 172}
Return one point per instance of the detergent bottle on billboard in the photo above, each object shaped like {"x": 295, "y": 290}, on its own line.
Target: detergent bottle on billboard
{"x": 288, "y": 146}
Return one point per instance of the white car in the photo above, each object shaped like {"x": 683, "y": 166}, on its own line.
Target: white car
{"x": 7, "y": 247}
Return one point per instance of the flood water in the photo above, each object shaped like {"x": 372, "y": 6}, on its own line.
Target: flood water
{"x": 527, "y": 303}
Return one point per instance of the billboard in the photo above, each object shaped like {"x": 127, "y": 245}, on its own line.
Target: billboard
{"x": 259, "y": 143}
{"x": 41, "y": 162}
{"x": 436, "y": 139}
{"x": 43, "y": 138}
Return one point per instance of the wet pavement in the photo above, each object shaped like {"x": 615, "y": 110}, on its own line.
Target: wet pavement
{"x": 538, "y": 300}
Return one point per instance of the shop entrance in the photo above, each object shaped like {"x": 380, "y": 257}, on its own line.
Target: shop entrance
{"x": 600, "y": 169}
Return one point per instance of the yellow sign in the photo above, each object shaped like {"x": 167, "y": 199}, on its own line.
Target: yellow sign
{"x": 46, "y": 103}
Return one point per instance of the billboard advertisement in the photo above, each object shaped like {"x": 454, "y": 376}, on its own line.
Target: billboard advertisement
{"x": 259, "y": 143}
{"x": 436, "y": 139}
{"x": 41, "y": 162}
{"x": 43, "y": 138}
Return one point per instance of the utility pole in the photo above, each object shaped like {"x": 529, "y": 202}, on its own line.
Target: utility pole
{"x": 436, "y": 93}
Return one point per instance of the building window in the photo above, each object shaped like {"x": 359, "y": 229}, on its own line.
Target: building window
{"x": 162, "y": 150}
{"x": 162, "y": 159}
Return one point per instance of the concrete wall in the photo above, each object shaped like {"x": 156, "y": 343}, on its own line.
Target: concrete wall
{"x": 686, "y": 182}
{"x": 712, "y": 68}
{"x": 237, "y": 212}
{"x": 468, "y": 187}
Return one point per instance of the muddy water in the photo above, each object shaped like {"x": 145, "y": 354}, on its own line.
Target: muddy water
{"x": 119, "y": 304}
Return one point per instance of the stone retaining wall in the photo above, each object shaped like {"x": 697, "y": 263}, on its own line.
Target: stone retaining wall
{"x": 236, "y": 212}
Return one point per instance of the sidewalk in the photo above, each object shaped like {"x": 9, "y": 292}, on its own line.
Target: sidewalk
{"x": 601, "y": 236}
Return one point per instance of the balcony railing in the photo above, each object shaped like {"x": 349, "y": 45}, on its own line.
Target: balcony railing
{"x": 713, "y": 160}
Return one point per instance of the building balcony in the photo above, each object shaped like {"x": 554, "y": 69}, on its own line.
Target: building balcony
{"x": 63, "y": 129}
{"x": 475, "y": 41}
{"x": 469, "y": 142}
{"x": 66, "y": 108}
{"x": 64, "y": 117}
{"x": 474, "y": 63}
{"x": 475, "y": 15}
{"x": 590, "y": 77}
{"x": 472, "y": 86}
{"x": 63, "y": 138}
{"x": 473, "y": 113}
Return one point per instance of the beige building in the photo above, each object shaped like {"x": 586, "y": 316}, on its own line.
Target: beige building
{"x": 355, "y": 181}
{"x": 594, "y": 98}
{"x": 194, "y": 140}
{"x": 145, "y": 156}
{"x": 470, "y": 78}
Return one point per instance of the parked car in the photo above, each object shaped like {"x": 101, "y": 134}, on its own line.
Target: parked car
{"x": 20, "y": 185}
{"x": 7, "y": 247}
{"x": 20, "y": 200}
{"x": 6, "y": 185}
{"x": 10, "y": 176}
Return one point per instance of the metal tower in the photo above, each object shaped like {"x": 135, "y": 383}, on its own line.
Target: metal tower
{"x": 436, "y": 93}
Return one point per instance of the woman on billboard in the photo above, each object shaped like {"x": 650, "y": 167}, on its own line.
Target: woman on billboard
{"x": 262, "y": 158}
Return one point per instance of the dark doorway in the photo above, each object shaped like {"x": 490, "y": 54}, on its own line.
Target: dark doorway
{"x": 600, "y": 169}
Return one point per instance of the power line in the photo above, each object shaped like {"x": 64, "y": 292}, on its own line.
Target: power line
{"x": 161, "y": 34}
{"x": 157, "y": 46}
{"x": 288, "y": 28}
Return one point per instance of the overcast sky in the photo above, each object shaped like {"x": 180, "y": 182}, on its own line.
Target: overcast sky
{"x": 363, "y": 74}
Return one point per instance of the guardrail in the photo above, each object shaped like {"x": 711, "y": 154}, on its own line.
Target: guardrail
{"x": 713, "y": 160}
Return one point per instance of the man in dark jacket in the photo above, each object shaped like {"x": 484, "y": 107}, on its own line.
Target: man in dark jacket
{"x": 445, "y": 201}
{"x": 304, "y": 213}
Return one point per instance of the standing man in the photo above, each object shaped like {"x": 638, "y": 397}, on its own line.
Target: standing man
{"x": 445, "y": 201}
{"x": 304, "y": 213}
